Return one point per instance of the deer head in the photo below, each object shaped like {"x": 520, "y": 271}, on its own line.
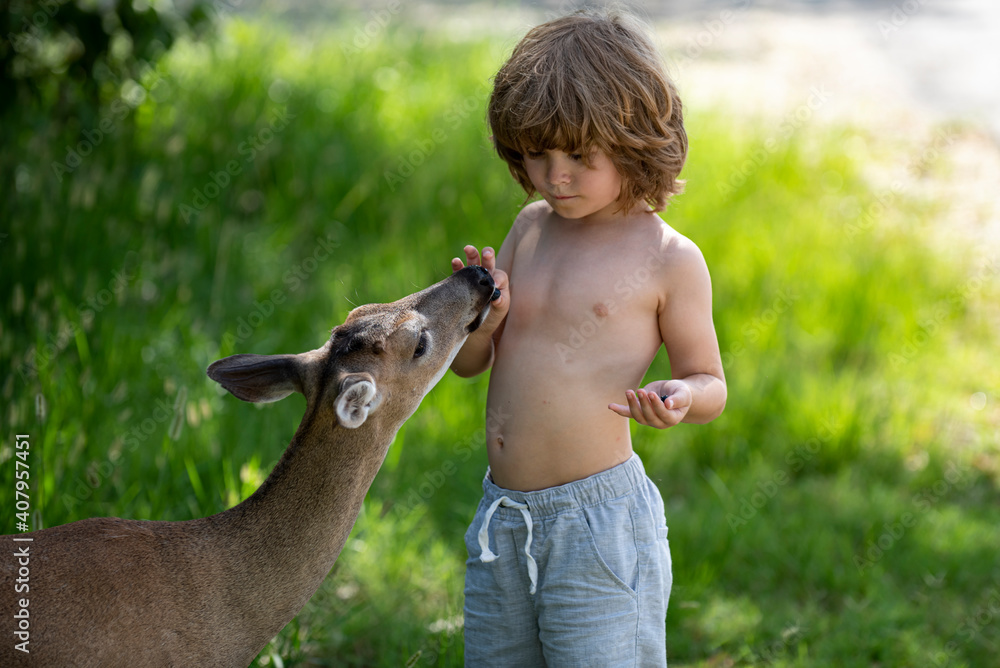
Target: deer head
{"x": 380, "y": 362}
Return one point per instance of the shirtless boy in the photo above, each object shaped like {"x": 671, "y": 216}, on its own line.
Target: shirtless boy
{"x": 569, "y": 563}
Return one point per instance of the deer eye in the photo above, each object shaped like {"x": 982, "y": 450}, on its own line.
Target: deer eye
{"x": 421, "y": 345}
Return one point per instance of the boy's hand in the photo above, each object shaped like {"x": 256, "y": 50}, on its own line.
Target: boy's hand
{"x": 646, "y": 406}
{"x": 488, "y": 261}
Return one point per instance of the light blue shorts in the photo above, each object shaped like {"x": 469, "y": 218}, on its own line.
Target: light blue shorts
{"x": 575, "y": 575}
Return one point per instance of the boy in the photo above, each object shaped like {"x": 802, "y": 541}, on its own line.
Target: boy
{"x": 569, "y": 563}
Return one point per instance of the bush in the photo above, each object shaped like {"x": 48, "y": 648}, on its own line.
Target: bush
{"x": 70, "y": 55}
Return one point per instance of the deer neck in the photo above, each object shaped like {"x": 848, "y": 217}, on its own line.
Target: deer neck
{"x": 288, "y": 534}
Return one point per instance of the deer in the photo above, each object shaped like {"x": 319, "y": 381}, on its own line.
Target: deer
{"x": 109, "y": 592}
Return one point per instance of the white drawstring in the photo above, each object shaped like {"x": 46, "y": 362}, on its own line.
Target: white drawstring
{"x": 484, "y": 537}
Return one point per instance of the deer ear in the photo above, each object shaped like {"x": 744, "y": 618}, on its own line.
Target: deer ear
{"x": 358, "y": 397}
{"x": 258, "y": 378}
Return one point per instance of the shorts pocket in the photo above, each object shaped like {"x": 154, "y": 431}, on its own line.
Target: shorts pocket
{"x": 668, "y": 571}
{"x": 611, "y": 537}
{"x": 472, "y": 533}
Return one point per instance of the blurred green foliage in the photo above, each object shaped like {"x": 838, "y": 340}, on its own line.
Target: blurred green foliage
{"x": 72, "y": 55}
{"x": 268, "y": 182}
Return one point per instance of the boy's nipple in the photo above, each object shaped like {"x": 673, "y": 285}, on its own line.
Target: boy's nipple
{"x": 600, "y": 310}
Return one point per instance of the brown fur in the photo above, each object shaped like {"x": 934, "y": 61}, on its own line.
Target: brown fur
{"x": 109, "y": 592}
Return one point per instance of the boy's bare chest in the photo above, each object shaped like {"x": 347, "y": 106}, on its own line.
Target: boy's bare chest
{"x": 559, "y": 279}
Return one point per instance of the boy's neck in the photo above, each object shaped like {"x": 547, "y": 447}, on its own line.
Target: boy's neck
{"x": 607, "y": 218}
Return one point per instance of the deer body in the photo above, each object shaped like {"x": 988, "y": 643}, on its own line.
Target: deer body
{"x": 213, "y": 591}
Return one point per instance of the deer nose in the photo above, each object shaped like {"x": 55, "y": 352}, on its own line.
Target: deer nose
{"x": 484, "y": 276}
{"x": 486, "y": 280}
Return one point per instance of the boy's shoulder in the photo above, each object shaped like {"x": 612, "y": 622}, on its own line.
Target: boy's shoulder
{"x": 667, "y": 253}
{"x": 669, "y": 244}
{"x": 682, "y": 262}
{"x": 676, "y": 245}
{"x": 532, "y": 214}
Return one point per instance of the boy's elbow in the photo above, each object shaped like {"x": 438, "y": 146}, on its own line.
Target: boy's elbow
{"x": 716, "y": 405}
{"x": 475, "y": 357}
{"x": 463, "y": 369}
{"x": 724, "y": 396}
{"x": 719, "y": 411}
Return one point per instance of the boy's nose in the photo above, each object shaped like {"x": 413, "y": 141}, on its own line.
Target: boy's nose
{"x": 557, "y": 172}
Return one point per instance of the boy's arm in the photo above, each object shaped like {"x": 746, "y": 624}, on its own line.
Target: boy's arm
{"x": 476, "y": 356}
{"x": 697, "y": 392}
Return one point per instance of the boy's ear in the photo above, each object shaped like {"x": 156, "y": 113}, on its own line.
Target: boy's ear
{"x": 258, "y": 378}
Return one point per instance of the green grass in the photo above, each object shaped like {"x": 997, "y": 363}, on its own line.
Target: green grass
{"x": 853, "y": 350}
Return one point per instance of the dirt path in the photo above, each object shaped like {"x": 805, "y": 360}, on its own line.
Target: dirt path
{"x": 934, "y": 133}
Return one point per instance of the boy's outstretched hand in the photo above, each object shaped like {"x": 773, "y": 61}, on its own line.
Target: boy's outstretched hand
{"x": 488, "y": 261}
{"x": 646, "y": 406}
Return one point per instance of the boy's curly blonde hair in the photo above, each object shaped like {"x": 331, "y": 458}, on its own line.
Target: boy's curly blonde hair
{"x": 592, "y": 80}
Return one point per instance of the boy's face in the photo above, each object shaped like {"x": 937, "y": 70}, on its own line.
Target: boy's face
{"x": 573, "y": 189}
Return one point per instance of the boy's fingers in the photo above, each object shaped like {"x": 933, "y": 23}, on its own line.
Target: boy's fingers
{"x": 634, "y": 406}
{"x": 661, "y": 405}
{"x": 648, "y": 409}
{"x": 456, "y": 264}
{"x": 472, "y": 254}
{"x": 656, "y": 413}
{"x": 501, "y": 282}
{"x": 489, "y": 259}
{"x": 621, "y": 410}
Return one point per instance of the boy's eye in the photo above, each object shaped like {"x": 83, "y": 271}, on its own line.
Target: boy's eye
{"x": 576, "y": 156}
{"x": 534, "y": 155}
